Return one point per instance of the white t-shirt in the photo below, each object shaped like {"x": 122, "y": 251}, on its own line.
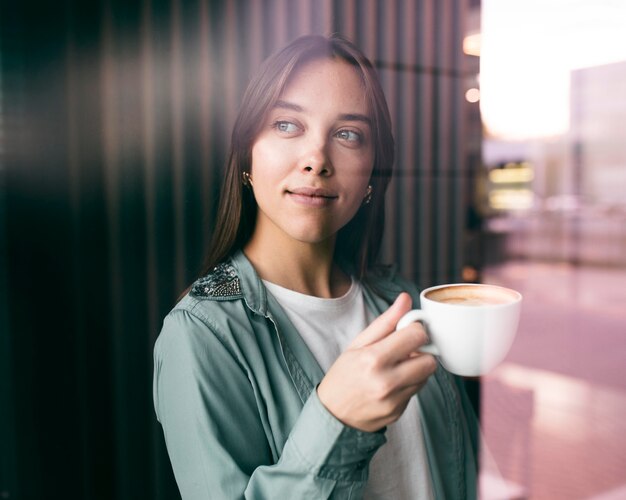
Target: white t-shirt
{"x": 399, "y": 469}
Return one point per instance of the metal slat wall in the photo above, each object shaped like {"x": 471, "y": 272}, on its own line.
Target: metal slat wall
{"x": 117, "y": 119}
{"x": 417, "y": 47}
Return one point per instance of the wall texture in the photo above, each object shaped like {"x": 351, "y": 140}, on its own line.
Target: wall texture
{"x": 115, "y": 118}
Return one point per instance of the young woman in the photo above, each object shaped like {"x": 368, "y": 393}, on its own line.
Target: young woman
{"x": 280, "y": 375}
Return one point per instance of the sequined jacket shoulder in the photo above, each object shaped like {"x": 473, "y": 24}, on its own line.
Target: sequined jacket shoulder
{"x": 222, "y": 283}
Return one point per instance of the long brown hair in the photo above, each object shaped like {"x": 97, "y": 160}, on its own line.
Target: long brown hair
{"x": 358, "y": 242}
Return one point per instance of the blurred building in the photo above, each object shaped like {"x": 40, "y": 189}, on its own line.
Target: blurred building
{"x": 570, "y": 204}
{"x": 598, "y": 112}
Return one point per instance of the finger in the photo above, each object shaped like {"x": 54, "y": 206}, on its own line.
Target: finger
{"x": 406, "y": 393}
{"x": 385, "y": 323}
{"x": 410, "y": 379}
{"x": 414, "y": 372}
{"x": 399, "y": 346}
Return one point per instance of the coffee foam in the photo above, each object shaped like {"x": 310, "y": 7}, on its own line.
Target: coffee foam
{"x": 473, "y": 295}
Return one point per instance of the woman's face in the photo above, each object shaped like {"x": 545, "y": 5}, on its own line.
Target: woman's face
{"x": 314, "y": 155}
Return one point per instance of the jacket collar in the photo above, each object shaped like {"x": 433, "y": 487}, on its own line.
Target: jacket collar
{"x": 254, "y": 292}
{"x": 301, "y": 364}
{"x": 379, "y": 287}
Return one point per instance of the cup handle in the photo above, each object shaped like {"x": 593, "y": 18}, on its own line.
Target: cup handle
{"x": 412, "y": 317}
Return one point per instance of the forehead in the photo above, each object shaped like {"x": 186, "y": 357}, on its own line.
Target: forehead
{"x": 326, "y": 82}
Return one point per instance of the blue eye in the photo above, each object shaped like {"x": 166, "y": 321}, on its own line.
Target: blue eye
{"x": 286, "y": 127}
{"x": 349, "y": 135}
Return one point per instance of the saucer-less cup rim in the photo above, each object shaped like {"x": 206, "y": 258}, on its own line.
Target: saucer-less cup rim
{"x": 515, "y": 295}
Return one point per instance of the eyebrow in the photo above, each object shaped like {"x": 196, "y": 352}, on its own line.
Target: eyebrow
{"x": 355, "y": 117}
{"x": 288, "y": 105}
{"x": 350, "y": 117}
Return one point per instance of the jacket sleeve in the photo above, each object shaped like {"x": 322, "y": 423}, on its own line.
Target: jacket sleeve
{"x": 215, "y": 437}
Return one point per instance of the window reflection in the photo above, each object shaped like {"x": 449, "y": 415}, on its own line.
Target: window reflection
{"x": 550, "y": 191}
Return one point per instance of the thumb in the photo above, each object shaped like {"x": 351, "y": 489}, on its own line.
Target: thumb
{"x": 384, "y": 324}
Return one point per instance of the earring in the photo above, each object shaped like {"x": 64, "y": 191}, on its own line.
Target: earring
{"x": 368, "y": 194}
{"x": 246, "y": 180}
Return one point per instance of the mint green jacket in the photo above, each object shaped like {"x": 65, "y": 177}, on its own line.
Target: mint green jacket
{"x": 234, "y": 390}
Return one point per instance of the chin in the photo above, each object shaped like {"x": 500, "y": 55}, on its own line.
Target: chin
{"x": 312, "y": 235}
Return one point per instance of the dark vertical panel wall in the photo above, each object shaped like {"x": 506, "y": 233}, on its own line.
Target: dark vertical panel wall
{"x": 115, "y": 117}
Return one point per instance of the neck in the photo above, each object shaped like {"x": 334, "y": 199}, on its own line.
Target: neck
{"x": 307, "y": 268}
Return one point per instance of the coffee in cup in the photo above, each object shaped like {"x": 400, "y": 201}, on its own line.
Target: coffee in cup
{"x": 471, "y": 326}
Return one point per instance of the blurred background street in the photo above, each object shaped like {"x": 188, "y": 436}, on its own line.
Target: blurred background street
{"x": 553, "y": 413}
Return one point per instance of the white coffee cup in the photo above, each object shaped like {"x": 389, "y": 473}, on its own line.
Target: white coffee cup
{"x": 471, "y": 326}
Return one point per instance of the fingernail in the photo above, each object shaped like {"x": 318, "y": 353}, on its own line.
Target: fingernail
{"x": 397, "y": 301}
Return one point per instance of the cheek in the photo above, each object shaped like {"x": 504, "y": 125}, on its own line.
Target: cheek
{"x": 268, "y": 158}
{"x": 356, "y": 174}
{"x": 258, "y": 158}
{"x": 358, "y": 163}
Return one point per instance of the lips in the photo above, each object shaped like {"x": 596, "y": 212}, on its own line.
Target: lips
{"x": 318, "y": 197}
{"x": 313, "y": 192}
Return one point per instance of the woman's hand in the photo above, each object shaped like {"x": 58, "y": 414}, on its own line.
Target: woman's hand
{"x": 370, "y": 384}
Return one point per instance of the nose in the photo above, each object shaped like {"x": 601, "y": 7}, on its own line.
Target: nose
{"x": 316, "y": 169}
{"x": 315, "y": 160}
